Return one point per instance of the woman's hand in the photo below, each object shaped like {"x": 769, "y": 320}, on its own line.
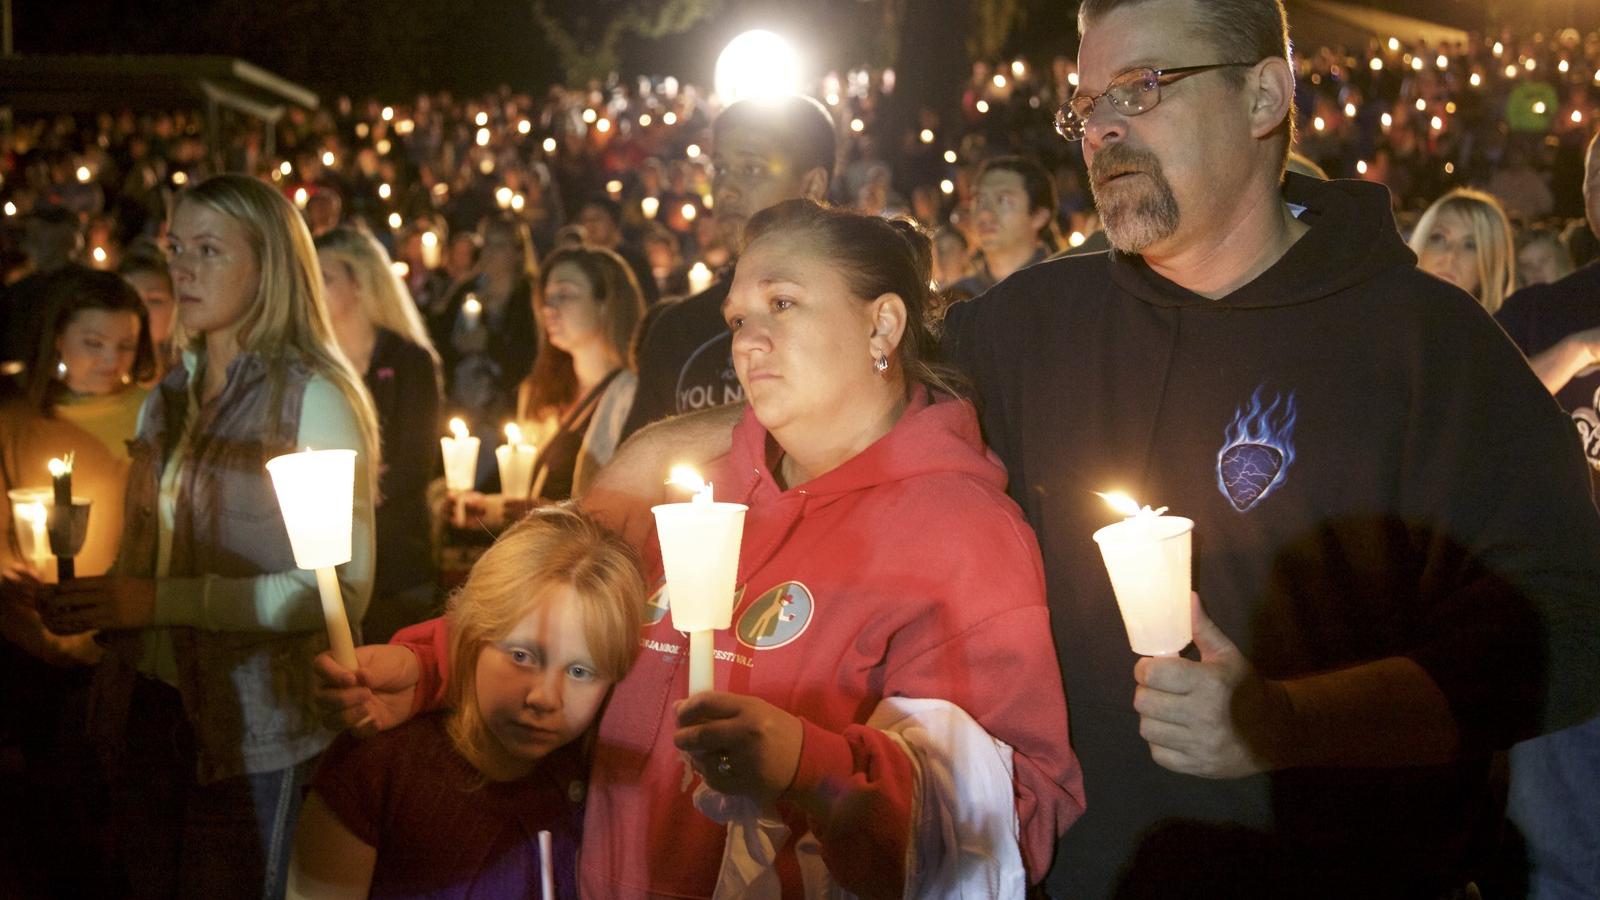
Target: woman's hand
{"x": 104, "y": 602}
{"x": 740, "y": 745}
{"x": 376, "y": 697}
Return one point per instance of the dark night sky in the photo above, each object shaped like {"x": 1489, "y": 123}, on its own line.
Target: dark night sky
{"x": 393, "y": 47}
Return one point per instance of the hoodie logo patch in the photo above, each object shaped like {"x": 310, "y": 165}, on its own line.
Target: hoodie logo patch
{"x": 1588, "y": 423}
{"x": 1257, "y": 449}
{"x": 776, "y": 618}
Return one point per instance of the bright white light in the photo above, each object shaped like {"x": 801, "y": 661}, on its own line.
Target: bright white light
{"x": 756, "y": 64}
{"x": 1319, "y": 124}
{"x": 180, "y": 178}
{"x": 11, "y": 208}
{"x": 950, "y": 156}
{"x": 1387, "y": 120}
{"x": 1072, "y": 78}
{"x": 613, "y": 186}
{"x": 1376, "y": 65}
{"x": 649, "y": 206}
{"x": 429, "y": 239}
{"x": 441, "y": 189}
{"x": 1017, "y": 68}
{"x": 84, "y": 174}
{"x": 384, "y": 190}
{"x": 983, "y": 106}
{"x": 518, "y": 202}
{"x": 1437, "y": 123}
{"x": 833, "y": 99}
{"x": 483, "y": 137}
{"x": 1416, "y": 63}
{"x": 1394, "y": 43}
{"x": 395, "y": 221}
{"x": 524, "y": 126}
{"x": 300, "y": 197}
{"x": 857, "y": 125}
{"x": 1350, "y": 110}
{"x": 1577, "y": 117}
{"x": 404, "y": 126}
{"x": 327, "y": 157}
{"x": 285, "y": 168}
{"x": 644, "y": 121}
{"x": 1539, "y": 107}
{"x": 689, "y": 212}
{"x": 549, "y": 145}
{"x": 669, "y": 118}
{"x": 999, "y": 80}
{"x": 692, "y": 151}
{"x": 399, "y": 268}
{"x": 603, "y": 126}
{"x": 1076, "y": 239}
{"x": 1563, "y": 66}
{"x": 589, "y": 116}
{"x": 926, "y": 136}
{"x": 502, "y": 196}
{"x": 1449, "y": 168}
{"x": 1511, "y": 71}
{"x": 1499, "y": 48}
{"x": 99, "y": 255}
{"x": 1475, "y": 80}
{"x": 388, "y": 114}
{"x": 947, "y": 186}
{"x": 383, "y": 146}
{"x": 1361, "y": 167}
{"x": 481, "y": 119}
{"x": 1442, "y": 61}
{"x": 1529, "y": 64}
{"x": 1422, "y": 105}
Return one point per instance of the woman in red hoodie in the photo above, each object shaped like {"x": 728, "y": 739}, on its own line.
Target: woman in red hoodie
{"x": 890, "y": 664}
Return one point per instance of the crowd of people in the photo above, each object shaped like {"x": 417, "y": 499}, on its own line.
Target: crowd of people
{"x": 914, "y": 358}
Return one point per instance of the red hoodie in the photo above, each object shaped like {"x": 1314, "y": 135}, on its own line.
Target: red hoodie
{"x": 904, "y": 572}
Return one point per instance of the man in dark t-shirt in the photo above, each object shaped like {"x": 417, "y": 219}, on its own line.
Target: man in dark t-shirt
{"x": 763, "y": 152}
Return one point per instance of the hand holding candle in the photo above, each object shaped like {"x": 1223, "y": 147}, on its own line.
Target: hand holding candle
{"x": 1147, "y": 556}
{"x": 316, "y": 491}
{"x": 68, "y": 522}
{"x": 700, "y": 551}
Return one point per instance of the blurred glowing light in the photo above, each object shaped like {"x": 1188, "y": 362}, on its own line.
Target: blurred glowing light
{"x": 947, "y": 186}
{"x": 388, "y": 114}
{"x": 11, "y": 208}
{"x": 99, "y": 254}
{"x": 1511, "y": 71}
{"x": 1376, "y": 65}
{"x": 692, "y": 151}
{"x": 1319, "y": 124}
{"x": 363, "y": 129}
{"x": 502, "y": 196}
{"x": 1017, "y": 68}
{"x": 404, "y": 126}
{"x": 395, "y": 221}
{"x": 950, "y": 156}
{"x": 669, "y": 118}
{"x": 644, "y": 121}
{"x": 180, "y": 178}
{"x": 481, "y": 119}
{"x": 1387, "y": 120}
{"x": 1394, "y": 43}
{"x": 399, "y": 268}
{"x": 649, "y": 206}
{"x": 1442, "y": 61}
{"x": 84, "y": 174}
{"x": 613, "y": 186}
{"x": 983, "y": 106}
{"x": 756, "y": 64}
{"x": 1361, "y": 167}
{"x": 999, "y": 80}
{"x": 1449, "y": 168}
{"x": 1350, "y": 110}
{"x": 483, "y": 137}
{"x": 926, "y": 135}
{"x": 857, "y": 125}
{"x": 1499, "y": 48}
{"x": 524, "y": 126}
{"x": 285, "y": 168}
{"x": 327, "y": 158}
{"x": 1563, "y": 66}
{"x": 1539, "y": 107}
{"x": 549, "y": 145}
{"x": 1475, "y": 80}
{"x": 1577, "y": 117}
{"x": 689, "y": 212}
{"x": 1416, "y": 63}
{"x": 300, "y": 197}
{"x": 429, "y": 239}
{"x": 384, "y": 191}
{"x": 603, "y": 126}
{"x": 589, "y": 116}
{"x": 486, "y": 165}
{"x": 832, "y": 98}
{"x": 1076, "y": 239}
{"x": 1072, "y": 78}
{"x": 1450, "y": 108}
{"x": 1437, "y": 123}
{"x": 1422, "y": 104}
{"x": 383, "y": 146}
{"x": 518, "y": 202}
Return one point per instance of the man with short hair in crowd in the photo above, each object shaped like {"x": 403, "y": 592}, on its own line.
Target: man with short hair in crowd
{"x": 601, "y": 218}
{"x": 1014, "y": 210}
{"x": 1555, "y": 779}
{"x": 763, "y": 152}
{"x": 1395, "y": 555}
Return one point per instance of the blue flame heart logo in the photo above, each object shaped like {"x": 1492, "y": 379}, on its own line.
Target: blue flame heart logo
{"x": 1257, "y": 449}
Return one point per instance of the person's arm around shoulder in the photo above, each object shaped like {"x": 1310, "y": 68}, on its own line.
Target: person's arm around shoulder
{"x": 329, "y": 862}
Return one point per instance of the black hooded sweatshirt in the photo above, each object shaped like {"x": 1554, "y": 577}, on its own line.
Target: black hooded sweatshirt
{"x": 1373, "y": 472}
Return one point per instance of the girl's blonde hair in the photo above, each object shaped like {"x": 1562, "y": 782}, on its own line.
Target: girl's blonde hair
{"x": 554, "y": 546}
{"x": 288, "y": 318}
{"x": 384, "y": 299}
{"x": 1491, "y": 232}
{"x": 553, "y": 383}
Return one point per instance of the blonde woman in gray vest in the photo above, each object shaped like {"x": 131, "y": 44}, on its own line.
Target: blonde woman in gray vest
{"x": 204, "y": 704}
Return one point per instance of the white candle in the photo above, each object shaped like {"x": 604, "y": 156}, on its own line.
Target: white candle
{"x": 431, "y": 251}
{"x": 700, "y": 551}
{"x": 699, "y": 278}
{"x": 516, "y": 458}
{"x": 29, "y": 517}
{"x": 471, "y": 311}
{"x": 460, "y": 463}
{"x": 1147, "y": 555}
{"x": 547, "y": 875}
{"x": 316, "y": 490}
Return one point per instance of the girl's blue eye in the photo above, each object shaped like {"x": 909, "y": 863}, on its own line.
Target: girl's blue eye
{"x": 521, "y": 657}
{"x": 581, "y": 673}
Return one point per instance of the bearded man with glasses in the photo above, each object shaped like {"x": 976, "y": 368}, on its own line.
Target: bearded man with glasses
{"x": 1396, "y": 557}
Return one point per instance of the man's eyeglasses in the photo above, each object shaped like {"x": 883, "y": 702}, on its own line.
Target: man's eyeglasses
{"x": 1131, "y": 93}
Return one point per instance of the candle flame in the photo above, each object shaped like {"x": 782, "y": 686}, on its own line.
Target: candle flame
{"x": 60, "y": 467}
{"x": 458, "y": 428}
{"x": 686, "y": 477}
{"x": 1120, "y": 502}
{"x": 472, "y": 306}
{"x": 513, "y": 433}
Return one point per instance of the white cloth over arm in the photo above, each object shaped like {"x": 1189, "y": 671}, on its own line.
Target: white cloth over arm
{"x": 965, "y": 816}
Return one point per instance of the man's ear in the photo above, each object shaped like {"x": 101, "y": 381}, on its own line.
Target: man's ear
{"x": 1271, "y": 93}
{"x": 814, "y": 184}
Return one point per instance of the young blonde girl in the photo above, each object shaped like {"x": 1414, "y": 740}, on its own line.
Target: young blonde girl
{"x": 450, "y": 804}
